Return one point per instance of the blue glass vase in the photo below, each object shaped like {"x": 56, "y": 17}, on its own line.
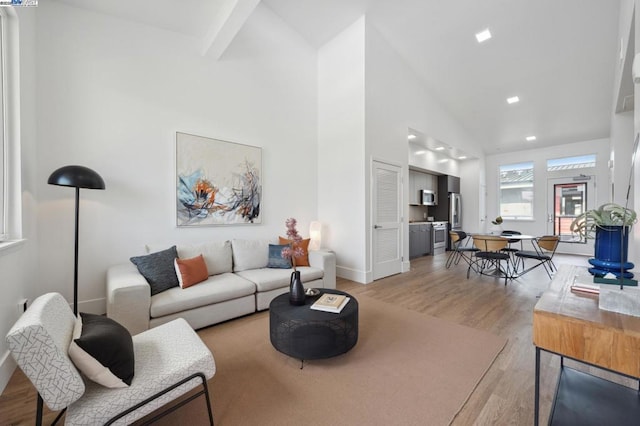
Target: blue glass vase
{"x": 610, "y": 252}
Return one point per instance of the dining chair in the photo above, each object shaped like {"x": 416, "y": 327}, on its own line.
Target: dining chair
{"x": 544, "y": 249}
{"x": 459, "y": 248}
{"x": 491, "y": 256}
{"x": 512, "y": 250}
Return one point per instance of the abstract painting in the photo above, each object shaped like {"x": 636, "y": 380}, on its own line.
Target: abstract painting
{"x": 218, "y": 182}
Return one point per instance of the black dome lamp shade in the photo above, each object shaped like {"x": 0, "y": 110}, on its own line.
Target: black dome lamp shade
{"x": 76, "y": 177}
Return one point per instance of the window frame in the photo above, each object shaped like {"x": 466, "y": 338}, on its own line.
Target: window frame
{"x": 521, "y": 218}
{"x": 11, "y": 220}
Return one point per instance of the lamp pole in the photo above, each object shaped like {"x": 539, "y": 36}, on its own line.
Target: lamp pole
{"x": 75, "y": 257}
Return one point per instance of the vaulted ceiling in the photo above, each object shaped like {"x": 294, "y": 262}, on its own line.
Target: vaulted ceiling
{"x": 558, "y": 57}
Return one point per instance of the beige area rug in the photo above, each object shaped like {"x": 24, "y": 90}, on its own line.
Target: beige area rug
{"x": 407, "y": 368}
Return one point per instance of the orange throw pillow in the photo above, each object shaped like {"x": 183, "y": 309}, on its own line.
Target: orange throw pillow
{"x": 191, "y": 271}
{"x": 304, "y": 244}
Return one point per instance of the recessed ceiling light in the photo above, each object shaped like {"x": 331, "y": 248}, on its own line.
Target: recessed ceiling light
{"x": 444, "y": 160}
{"x": 513, "y": 100}
{"x": 422, "y": 151}
{"x": 530, "y": 138}
{"x": 440, "y": 148}
{"x": 462, "y": 157}
{"x": 483, "y": 35}
{"x": 412, "y": 137}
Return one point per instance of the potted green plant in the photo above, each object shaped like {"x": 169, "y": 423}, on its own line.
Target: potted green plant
{"x": 609, "y": 224}
{"x": 609, "y": 214}
{"x": 496, "y": 229}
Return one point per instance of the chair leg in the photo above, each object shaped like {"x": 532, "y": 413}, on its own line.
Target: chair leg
{"x": 164, "y": 412}
{"x": 206, "y": 396}
{"x": 452, "y": 255}
{"x": 39, "y": 410}
{"x": 547, "y": 269}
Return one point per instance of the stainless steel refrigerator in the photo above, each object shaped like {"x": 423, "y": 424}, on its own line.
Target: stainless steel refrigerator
{"x": 455, "y": 214}
{"x": 455, "y": 211}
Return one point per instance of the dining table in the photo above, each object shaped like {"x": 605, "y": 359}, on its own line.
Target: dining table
{"x": 521, "y": 237}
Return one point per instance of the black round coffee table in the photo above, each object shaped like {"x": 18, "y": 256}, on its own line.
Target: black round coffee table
{"x": 304, "y": 333}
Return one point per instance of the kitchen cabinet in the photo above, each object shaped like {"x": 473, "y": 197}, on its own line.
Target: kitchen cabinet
{"x": 419, "y": 240}
{"x": 448, "y": 184}
{"x": 419, "y": 181}
{"x": 413, "y": 189}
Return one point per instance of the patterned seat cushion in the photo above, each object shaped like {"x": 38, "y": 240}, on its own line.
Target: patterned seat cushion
{"x": 38, "y": 342}
{"x": 163, "y": 356}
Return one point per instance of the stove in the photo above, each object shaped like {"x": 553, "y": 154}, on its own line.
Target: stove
{"x": 439, "y": 237}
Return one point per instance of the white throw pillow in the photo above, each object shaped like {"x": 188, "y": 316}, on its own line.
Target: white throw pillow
{"x": 217, "y": 255}
{"x": 250, "y": 254}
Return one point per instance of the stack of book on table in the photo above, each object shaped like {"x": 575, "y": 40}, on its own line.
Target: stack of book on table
{"x": 584, "y": 287}
{"x": 330, "y": 303}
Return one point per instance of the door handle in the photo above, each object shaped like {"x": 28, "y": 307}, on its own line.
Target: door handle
{"x": 377, "y": 226}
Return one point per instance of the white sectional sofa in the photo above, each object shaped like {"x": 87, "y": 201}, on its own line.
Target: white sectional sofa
{"x": 239, "y": 283}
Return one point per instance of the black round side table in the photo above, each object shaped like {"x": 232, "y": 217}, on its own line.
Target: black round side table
{"x": 304, "y": 333}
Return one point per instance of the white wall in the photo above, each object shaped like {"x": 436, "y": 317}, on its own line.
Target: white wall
{"x": 622, "y": 134}
{"x": 542, "y": 205}
{"x": 396, "y": 100}
{"x": 18, "y": 265}
{"x": 112, "y": 94}
{"x": 473, "y": 190}
{"x": 341, "y": 150}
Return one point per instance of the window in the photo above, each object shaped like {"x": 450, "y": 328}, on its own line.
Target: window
{"x": 3, "y": 147}
{"x": 516, "y": 191}
{"x": 571, "y": 163}
{"x": 10, "y": 170}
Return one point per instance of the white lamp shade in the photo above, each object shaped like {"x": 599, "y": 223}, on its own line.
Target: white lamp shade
{"x": 315, "y": 233}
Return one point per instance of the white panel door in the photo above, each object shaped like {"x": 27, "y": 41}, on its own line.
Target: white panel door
{"x": 387, "y": 228}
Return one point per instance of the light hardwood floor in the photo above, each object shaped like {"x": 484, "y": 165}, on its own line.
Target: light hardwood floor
{"x": 505, "y": 394}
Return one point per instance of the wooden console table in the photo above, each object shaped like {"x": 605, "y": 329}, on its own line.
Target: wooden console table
{"x": 572, "y": 326}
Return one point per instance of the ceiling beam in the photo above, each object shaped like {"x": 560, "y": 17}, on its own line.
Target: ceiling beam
{"x": 228, "y": 21}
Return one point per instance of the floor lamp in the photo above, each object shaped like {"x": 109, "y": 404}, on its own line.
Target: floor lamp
{"x": 76, "y": 177}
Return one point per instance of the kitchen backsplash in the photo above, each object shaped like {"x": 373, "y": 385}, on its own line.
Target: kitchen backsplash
{"x": 419, "y": 213}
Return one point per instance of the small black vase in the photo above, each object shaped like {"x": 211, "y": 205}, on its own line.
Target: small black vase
{"x": 296, "y": 289}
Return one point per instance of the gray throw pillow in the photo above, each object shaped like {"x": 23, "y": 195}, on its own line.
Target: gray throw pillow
{"x": 158, "y": 269}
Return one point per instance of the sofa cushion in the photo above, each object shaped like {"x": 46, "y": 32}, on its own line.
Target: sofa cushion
{"x": 304, "y": 245}
{"x": 191, "y": 271}
{"x": 250, "y": 254}
{"x": 217, "y": 254}
{"x": 275, "y": 257}
{"x": 216, "y": 289}
{"x": 267, "y": 279}
{"x": 103, "y": 350}
{"x": 157, "y": 268}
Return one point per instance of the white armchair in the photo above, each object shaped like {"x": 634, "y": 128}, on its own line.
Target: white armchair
{"x": 170, "y": 360}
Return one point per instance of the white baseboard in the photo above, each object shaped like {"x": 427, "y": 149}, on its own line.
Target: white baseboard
{"x": 406, "y": 266}
{"x": 352, "y": 274}
{"x": 94, "y": 306}
{"x": 7, "y": 367}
